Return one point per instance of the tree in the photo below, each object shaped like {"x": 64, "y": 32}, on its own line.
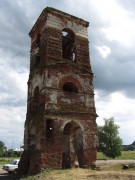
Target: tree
{"x": 1, "y": 144}
{"x": 109, "y": 141}
{"x": 2, "y": 148}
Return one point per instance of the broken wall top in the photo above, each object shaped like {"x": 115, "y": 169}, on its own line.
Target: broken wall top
{"x": 53, "y": 18}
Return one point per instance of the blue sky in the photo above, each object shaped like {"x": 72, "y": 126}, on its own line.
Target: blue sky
{"x": 112, "y": 53}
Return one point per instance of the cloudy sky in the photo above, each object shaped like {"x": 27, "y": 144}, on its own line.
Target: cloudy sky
{"x": 112, "y": 51}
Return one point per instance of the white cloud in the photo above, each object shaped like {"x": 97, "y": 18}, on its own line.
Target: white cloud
{"x": 13, "y": 82}
{"x": 121, "y": 108}
{"x": 104, "y": 50}
{"x": 112, "y": 38}
{"x": 12, "y": 125}
{"x": 119, "y": 23}
{"x": 13, "y": 88}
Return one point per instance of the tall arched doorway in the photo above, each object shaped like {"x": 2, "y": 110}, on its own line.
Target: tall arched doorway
{"x": 72, "y": 145}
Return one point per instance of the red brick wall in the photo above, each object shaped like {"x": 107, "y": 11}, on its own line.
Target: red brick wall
{"x": 63, "y": 109}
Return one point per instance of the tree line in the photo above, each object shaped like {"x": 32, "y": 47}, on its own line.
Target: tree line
{"x": 7, "y": 153}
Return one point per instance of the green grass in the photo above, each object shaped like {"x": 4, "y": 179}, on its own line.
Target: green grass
{"x": 79, "y": 174}
{"x": 107, "y": 171}
{"x": 6, "y": 160}
{"x": 125, "y": 155}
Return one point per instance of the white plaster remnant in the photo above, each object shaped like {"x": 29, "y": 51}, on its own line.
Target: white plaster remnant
{"x": 37, "y": 81}
{"x": 53, "y": 97}
{"x": 96, "y": 141}
{"x": 89, "y": 101}
{"x": 35, "y": 51}
{"x": 82, "y": 98}
{"x": 55, "y": 22}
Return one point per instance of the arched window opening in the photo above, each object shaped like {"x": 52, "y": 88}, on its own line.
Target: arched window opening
{"x": 37, "y": 60}
{"x": 49, "y": 129}
{"x": 68, "y": 44}
{"x": 70, "y": 87}
{"x": 73, "y": 150}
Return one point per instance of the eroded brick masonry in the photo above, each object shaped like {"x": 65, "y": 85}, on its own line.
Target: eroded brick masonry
{"x": 60, "y": 127}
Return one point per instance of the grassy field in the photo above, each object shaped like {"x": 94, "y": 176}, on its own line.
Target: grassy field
{"x": 104, "y": 171}
{"x": 6, "y": 160}
{"x": 125, "y": 155}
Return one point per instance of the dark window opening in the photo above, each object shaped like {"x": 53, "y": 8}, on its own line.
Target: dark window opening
{"x": 36, "y": 92}
{"x": 37, "y": 50}
{"x": 38, "y": 40}
{"x": 36, "y": 100}
{"x": 68, "y": 44}
{"x": 70, "y": 87}
{"x": 49, "y": 129}
{"x": 37, "y": 59}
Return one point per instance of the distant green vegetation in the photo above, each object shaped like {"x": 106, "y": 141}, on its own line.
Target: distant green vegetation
{"x": 125, "y": 155}
{"x": 108, "y": 171}
{"x": 5, "y": 160}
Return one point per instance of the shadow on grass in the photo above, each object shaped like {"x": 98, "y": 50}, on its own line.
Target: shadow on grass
{"x": 7, "y": 176}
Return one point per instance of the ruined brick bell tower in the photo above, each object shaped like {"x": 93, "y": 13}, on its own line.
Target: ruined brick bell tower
{"x": 60, "y": 126}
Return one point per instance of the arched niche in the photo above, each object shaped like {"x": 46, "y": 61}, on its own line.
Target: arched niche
{"x": 70, "y": 88}
{"x": 68, "y": 44}
{"x": 72, "y": 145}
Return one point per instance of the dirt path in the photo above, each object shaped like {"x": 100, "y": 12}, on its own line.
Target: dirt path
{"x": 4, "y": 175}
{"x": 114, "y": 161}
